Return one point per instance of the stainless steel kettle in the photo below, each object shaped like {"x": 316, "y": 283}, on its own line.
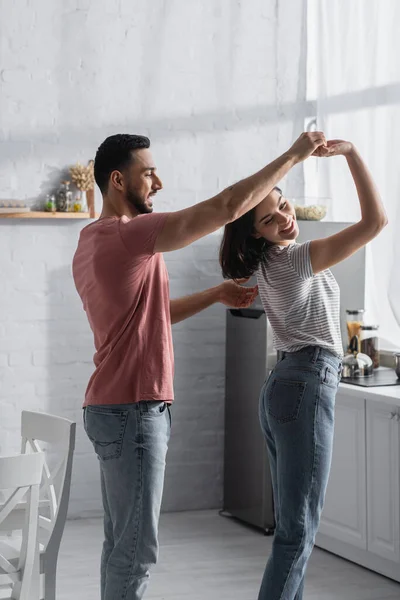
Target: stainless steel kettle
{"x": 397, "y": 364}
{"x": 357, "y": 364}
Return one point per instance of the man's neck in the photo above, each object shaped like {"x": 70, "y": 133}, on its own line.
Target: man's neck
{"x": 117, "y": 209}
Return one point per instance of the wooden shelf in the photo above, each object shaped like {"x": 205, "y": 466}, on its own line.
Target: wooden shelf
{"x": 46, "y": 215}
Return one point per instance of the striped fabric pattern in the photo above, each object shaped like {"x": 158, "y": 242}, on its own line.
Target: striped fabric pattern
{"x": 302, "y": 308}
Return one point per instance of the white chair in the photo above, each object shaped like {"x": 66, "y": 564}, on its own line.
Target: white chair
{"x": 37, "y": 429}
{"x": 20, "y": 477}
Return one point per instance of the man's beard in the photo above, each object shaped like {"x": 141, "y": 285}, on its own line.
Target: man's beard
{"x": 138, "y": 203}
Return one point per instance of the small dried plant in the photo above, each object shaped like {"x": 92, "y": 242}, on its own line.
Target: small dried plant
{"x": 83, "y": 176}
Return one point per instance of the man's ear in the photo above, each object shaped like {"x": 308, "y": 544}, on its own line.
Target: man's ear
{"x": 116, "y": 180}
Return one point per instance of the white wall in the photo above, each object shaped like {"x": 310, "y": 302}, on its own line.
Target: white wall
{"x": 361, "y": 103}
{"x": 213, "y": 85}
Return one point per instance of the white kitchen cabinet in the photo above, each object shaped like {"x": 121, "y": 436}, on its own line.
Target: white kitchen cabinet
{"x": 383, "y": 480}
{"x": 361, "y": 516}
{"x": 344, "y": 517}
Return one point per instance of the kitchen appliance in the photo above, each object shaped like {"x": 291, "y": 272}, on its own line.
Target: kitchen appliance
{"x": 355, "y": 319}
{"x": 369, "y": 343}
{"x": 247, "y": 479}
{"x": 397, "y": 364}
{"x": 356, "y": 364}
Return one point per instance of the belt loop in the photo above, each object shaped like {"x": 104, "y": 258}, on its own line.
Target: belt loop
{"x": 317, "y": 352}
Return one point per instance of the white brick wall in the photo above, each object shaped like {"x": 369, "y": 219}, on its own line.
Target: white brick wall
{"x": 201, "y": 79}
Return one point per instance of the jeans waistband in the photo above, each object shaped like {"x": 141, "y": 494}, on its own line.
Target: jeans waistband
{"x": 315, "y": 354}
{"x": 143, "y": 406}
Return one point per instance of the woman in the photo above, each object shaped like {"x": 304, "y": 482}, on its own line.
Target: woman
{"x": 301, "y": 299}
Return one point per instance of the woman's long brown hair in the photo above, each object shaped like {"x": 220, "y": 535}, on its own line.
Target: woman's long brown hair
{"x": 240, "y": 252}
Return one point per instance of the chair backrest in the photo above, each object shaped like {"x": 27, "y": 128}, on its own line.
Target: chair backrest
{"x": 20, "y": 476}
{"x": 36, "y": 429}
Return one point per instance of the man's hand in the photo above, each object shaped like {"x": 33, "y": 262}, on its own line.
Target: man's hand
{"x": 229, "y": 293}
{"x": 306, "y": 145}
{"x": 234, "y": 295}
{"x": 334, "y": 148}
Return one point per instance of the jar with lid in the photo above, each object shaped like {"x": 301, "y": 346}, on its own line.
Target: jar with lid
{"x": 369, "y": 343}
{"x": 50, "y": 204}
{"x": 355, "y": 318}
{"x": 64, "y": 197}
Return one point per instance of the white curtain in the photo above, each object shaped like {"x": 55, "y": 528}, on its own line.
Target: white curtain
{"x": 354, "y": 51}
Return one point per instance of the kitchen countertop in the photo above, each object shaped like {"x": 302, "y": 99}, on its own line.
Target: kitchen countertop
{"x": 389, "y": 394}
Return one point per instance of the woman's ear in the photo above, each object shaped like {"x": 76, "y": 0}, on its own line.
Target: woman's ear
{"x": 256, "y": 235}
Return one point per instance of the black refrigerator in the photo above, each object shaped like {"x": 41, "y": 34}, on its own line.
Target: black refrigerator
{"x": 247, "y": 479}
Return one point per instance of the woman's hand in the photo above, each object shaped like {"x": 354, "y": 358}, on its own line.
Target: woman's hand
{"x": 233, "y": 295}
{"x": 334, "y": 148}
{"x": 327, "y": 252}
{"x": 307, "y": 144}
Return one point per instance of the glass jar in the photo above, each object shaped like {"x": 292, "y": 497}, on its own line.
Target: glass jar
{"x": 50, "y": 204}
{"x": 369, "y": 343}
{"x": 64, "y": 197}
{"x": 311, "y": 209}
{"x": 78, "y": 202}
{"x": 355, "y": 318}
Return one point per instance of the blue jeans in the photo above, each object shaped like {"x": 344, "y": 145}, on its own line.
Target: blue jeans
{"x": 131, "y": 442}
{"x": 297, "y": 418}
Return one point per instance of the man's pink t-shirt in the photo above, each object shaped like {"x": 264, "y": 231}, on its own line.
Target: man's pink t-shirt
{"x": 124, "y": 288}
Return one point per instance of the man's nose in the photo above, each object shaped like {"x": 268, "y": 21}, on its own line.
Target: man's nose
{"x": 158, "y": 184}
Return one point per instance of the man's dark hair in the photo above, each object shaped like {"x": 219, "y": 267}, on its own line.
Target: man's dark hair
{"x": 115, "y": 153}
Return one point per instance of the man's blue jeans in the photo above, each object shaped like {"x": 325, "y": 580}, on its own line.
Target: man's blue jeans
{"x": 131, "y": 442}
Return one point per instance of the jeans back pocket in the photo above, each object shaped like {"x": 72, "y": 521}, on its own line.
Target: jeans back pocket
{"x": 105, "y": 427}
{"x": 284, "y": 399}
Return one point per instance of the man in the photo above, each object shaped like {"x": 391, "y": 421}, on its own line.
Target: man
{"x": 122, "y": 280}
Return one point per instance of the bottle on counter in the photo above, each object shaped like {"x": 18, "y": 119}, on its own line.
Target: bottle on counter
{"x": 369, "y": 343}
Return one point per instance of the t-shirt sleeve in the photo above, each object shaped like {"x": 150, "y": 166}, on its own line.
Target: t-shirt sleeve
{"x": 139, "y": 235}
{"x": 300, "y": 260}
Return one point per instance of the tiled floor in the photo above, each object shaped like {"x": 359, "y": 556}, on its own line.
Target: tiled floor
{"x": 207, "y": 557}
